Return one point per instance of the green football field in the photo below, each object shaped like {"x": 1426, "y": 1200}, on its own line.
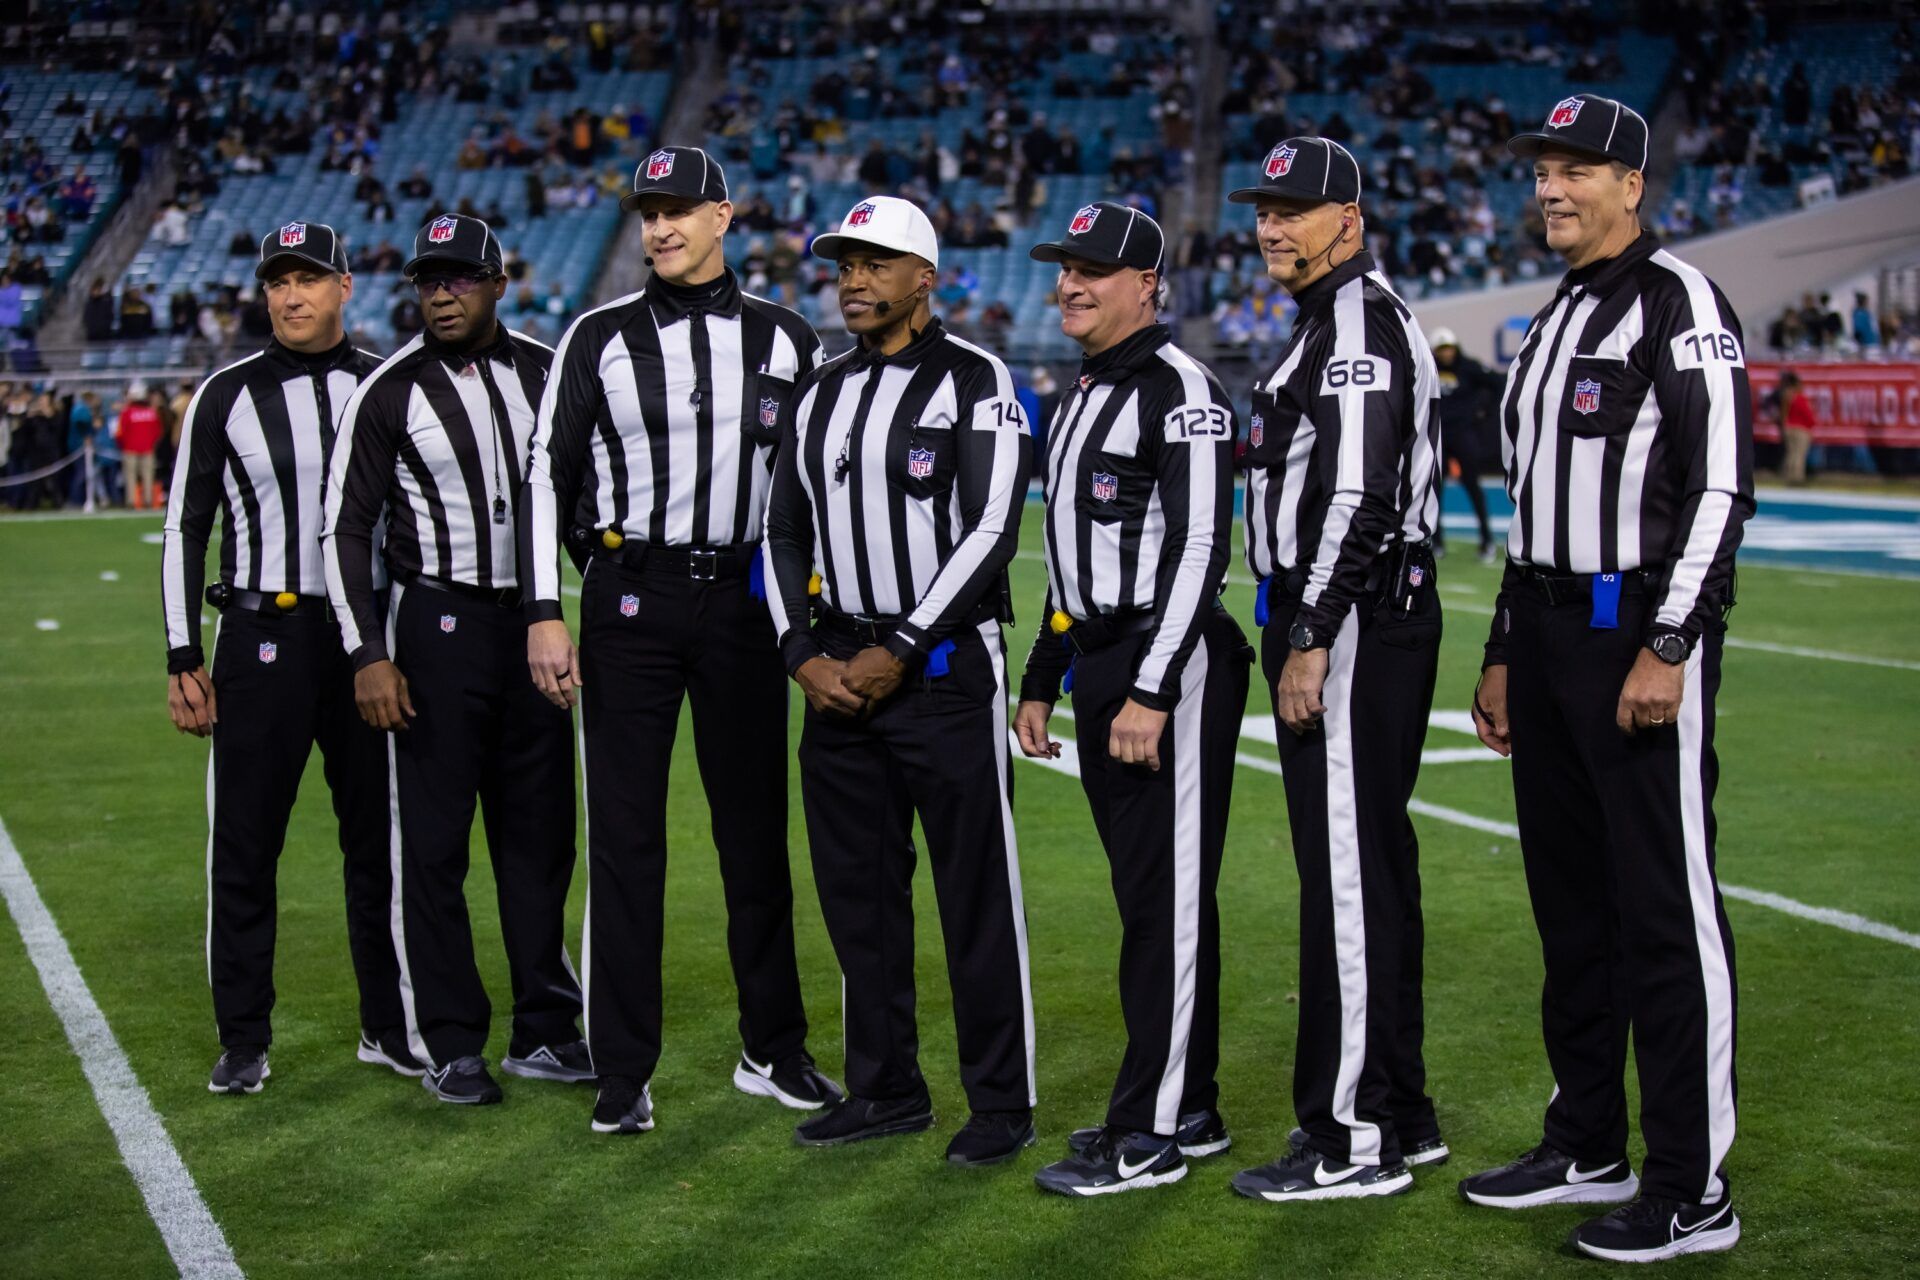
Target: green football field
{"x": 342, "y": 1169}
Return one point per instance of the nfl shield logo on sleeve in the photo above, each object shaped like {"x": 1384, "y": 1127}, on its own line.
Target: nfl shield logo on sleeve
{"x": 1257, "y": 432}
{"x": 1565, "y": 112}
{"x": 919, "y": 463}
{"x": 861, "y": 216}
{"x": 269, "y": 652}
{"x": 659, "y": 164}
{"x": 769, "y": 411}
{"x": 1106, "y": 487}
{"x": 1083, "y": 221}
{"x": 293, "y": 235}
{"x": 439, "y": 233}
{"x": 629, "y": 605}
{"x": 1586, "y": 396}
{"x": 1280, "y": 160}
{"x": 448, "y": 622}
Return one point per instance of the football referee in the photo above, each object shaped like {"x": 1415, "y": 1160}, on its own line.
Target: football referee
{"x": 432, "y": 443}
{"x": 253, "y": 447}
{"x": 652, "y": 456}
{"x": 1342, "y": 472}
{"x": 901, "y": 481}
{"x": 1139, "y": 481}
{"x": 1626, "y": 434}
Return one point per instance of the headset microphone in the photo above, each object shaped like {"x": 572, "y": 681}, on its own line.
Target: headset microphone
{"x": 1301, "y": 264}
{"x": 647, "y": 260}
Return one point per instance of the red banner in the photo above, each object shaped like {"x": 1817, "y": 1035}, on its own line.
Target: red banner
{"x": 1852, "y": 403}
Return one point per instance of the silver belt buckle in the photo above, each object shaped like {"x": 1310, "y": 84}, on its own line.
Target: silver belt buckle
{"x": 702, "y": 564}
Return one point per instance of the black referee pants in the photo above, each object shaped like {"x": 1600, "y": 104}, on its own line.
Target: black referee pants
{"x": 939, "y": 748}
{"x": 1359, "y": 1080}
{"x": 1618, "y": 837}
{"x": 649, "y": 640}
{"x": 1164, "y": 832}
{"x": 481, "y": 732}
{"x": 284, "y": 684}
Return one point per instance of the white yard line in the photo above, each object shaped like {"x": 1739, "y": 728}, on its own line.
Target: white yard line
{"x": 198, "y": 1246}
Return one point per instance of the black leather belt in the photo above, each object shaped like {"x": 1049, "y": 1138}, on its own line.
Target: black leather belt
{"x": 1107, "y": 629}
{"x": 223, "y": 598}
{"x": 701, "y": 564}
{"x": 1566, "y": 588}
{"x": 875, "y": 628}
{"x": 501, "y": 597}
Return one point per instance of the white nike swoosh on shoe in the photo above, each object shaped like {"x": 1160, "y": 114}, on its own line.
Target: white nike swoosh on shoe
{"x": 1320, "y": 1174}
{"x": 1679, "y": 1230}
{"x": 1125, "y": 1173}
{"x": 765, "y": 1073}
{"x": 1575, "y": 1177}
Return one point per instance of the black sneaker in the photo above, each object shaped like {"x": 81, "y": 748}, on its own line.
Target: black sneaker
{"x": 1654, "y": 1228}
{"x": 1305, "y": 1174}
{"x": 1115, "y": 1160}
{"x": 389, "y": 1050}
{"x": 792, "y": 1082}
{"x": 857, "y": 1119}
{"x": 464, "y": 1081}
{"x": 568, "y": 1063}
{"x": 241, "y": 1069}
{"x": 991, "y": 1137}
{"x": 1546, "y": 1175}
{"x": 1201, "y": 1133}
{"x": 1429, "y": 1151}
{"x": 624, "y": 1106}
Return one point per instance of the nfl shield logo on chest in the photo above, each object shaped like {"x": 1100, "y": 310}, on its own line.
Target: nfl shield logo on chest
{"x": 1586, "y": 396}
{"x": 1565, "y": 112}
{"x": 629, "y": 605}
{"x": 769, "y": 411}
{"x": 1280, "y": 160}
{"x": 448, "y": 622}
{"x": 1257, "y": 431}
{"x": 269, "y": 652}
{"x": 919, "y": 463}
{"x": 659, "y": 164}
{"x": 441, "y": 231}
{"x": 293, "y": 235}
{"x": 1106, "y": 486}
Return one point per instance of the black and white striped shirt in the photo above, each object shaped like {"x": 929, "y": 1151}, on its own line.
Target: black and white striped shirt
{"x": 253, "y": 447}
{"x": 1343, "y": 446}
{"x": 1627, "y": 435}
{"x": 659, "y": 422}
{"x": 1139, "y": 480}
{"x": 902, "y": 484}
{"x": 435, "y": 442}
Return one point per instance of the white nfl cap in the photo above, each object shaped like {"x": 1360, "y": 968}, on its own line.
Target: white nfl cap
{"x": 1442, "y": 337}
{"x": 884, "y": 222}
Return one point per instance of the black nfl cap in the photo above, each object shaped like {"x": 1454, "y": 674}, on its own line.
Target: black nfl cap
{"x": 1305, "y": 169}
{"x": 314, "y": 243}
{"x": 1110, "y": 233}
{"x": 687, "y": 172}
{"x": 456, "y": 238}
{"x": 1592, "y": 125}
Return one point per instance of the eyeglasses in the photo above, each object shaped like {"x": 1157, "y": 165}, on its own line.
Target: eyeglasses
{"x": 456, "y": 286}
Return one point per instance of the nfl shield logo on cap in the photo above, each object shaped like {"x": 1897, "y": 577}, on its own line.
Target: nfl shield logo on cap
{"x": 293, "y": 235}
{"x": 629, "y": 605}
{"x": 439, "y": 233}
{"x": 269, "y": 652}
{"x": 1565, "y": 112}
{"x": 659, "y": 165}
{"x": 1280, "y": 160}
{"x": 1083, "y": 221}
{"x": 861, "y": 216}
{"x": 1106, "y": 487}
{"x": 448, "y": 622}
{"x": 1586, "y": 396}
{"x": 1257, "y": 431}
{"x": 920, "y": 463}
{"x": 769, "y": 411}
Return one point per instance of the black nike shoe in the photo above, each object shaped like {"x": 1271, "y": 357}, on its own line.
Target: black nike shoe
{"x": 241, "y": 1069}
{"x": 464, "y": 1080}
{"x": 792, "y": 1082}
{"x": 1115, "y": 1160}
{"x": 389, "y": 1050}
{"x": 1305, "y": 1174}
{"x": 624, "y": 1106}
{"x": 1429, "y": 1151}
{"x": 1201, "y": 1133}
{"x": 569, "y": 1063}
{"x": 1654, "y": 1228}
{"x": 991, "y": 1137}
{"x": 857, "y": 1119}
{"x": 1546, "y": 1175}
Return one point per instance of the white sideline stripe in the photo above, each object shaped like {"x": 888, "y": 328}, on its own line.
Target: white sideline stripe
{"x": 1069, "y": 764}
{"x": 198, "y": 1246}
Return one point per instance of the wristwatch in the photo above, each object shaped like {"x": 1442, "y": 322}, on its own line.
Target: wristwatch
{"x": 1303, "y": 637}
{"x": 1671, "y": 648}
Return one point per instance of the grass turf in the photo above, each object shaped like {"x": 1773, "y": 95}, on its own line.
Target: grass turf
{"x": 344, "y": 1169}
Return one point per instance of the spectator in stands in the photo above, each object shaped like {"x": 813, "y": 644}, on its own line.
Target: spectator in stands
{"x": 33, "y": 270}
{"x": 78, "y": 193}
{"x": 170, "y": 225}
{"x": 1796, "y": 97}
{"x": 84, "y": 421}
{"x": 406, "y": 318}
{"x": 472, "y": 156}
{"x": 243, "y": 245}
{"x": 1866, "y": 331}
{"x": 12, "y": 311}
{"x": 416, "y": 186}
{"x": 136, "y": 313}
{"x": 183, "y": 312}
{"x": 43, "y": 224}
{"x": 536, "y": 194}
{"x": 96, "y": 317}
{"x": 139, "y": 435}
{"x": 70, "y": 106}
{"x": 130, "y": 162}
{"x": 383, "y": 259}
{"x": 1796, "y": 428}
{"x": 251, "y": 318}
